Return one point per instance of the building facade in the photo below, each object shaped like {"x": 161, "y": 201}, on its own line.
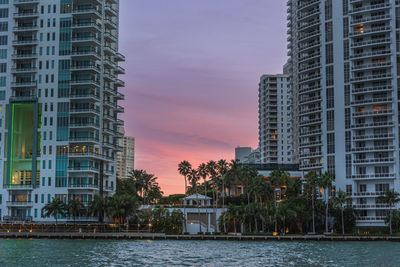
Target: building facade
{"x": 247, "y": 155}
{"x": 275, "y": 119}
{"x": 59, "y": 93}
{"x": 126, "y": 158}
{"x": 344, "y": 61}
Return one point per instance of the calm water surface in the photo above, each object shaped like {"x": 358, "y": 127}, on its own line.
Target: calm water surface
{"x": 196, "y": 253}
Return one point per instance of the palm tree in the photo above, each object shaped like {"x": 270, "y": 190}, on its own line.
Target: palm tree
{"x": 185, "y": 168}
{"x": 223, "y": 168}
{"x": 326, "y": 180}
{"x": 339, "y": 201}
{"x": 53, "y": 208}
{"x": 312, "y": 181}
{"x": 233, "y": 175}
{"x": 98, "y": 206}
{"x": 75, "y": 208}
{"x": 283, "y": 214}
{"x": 193, "y": 179}
{"x": 248, "y": 175}
{"x": 203, "y": 172}
{"x": 391, "y": 198}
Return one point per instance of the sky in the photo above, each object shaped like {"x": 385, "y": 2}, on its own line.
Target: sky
{"x": 192, "y": 74}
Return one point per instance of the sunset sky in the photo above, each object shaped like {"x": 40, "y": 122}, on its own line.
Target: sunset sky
{"x": 192, "y": 72}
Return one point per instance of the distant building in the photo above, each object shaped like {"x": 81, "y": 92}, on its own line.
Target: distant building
{"x": 275, "y": 119}
{"x": 247, "y": 155}
{"x": 126, "y": 158}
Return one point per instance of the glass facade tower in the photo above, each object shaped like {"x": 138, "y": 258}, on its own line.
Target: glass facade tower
{"x": 59, "y": 93}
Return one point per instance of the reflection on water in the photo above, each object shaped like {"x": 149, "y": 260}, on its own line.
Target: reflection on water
{"x": 196, "y": 253}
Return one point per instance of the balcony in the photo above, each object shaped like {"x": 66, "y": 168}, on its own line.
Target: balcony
{"x": 84, "y": 125}
{"x": 373, "y": 137}
{"x": 28, "y": 14}
{"x": 25, "y": 42}
{"x": 24, "y": 70}
{"x": 87, "y": 26}
{"x": 86, "y": 82}
{"x": 370, "y": 19}
{"x": 119, "y": 83}
{"x": 24, "y": 56}
{"x": 372, "y": 124}
{"x": 85, "y": 169}
{"x": 85, "y": 96}
{"x": 371, "y": 54}
{"x": 381, "y": 100}
{"x": 80, "y": 68}
{"x": 89, "y": 155}
{"x": 357, "y": 34}
{"x": 19, "y": 186}
{"x": 364, "y": 90}
{"x": 372, "y": 113}
{"x": 91, "y": 111}
{"x": 373, "y": 161}
{"x": 87, "y": 12}
{"x": 19, "y": 203}
{"x": 357, "y": 44}
{"x": 119, "y": 57}
{"x": 90, "y": 139}
{"x": 91, "y": 54}
{"x": 86, "y": 40}
{"x": 83, "y": 187}
{"x": 26, "y": 28}
{"x": 24, "y": 84}
{"x": 369, "y": 8}
{"x": 374, "y": 176}
{"x": 371, "y": 206}
{"x": 373, "y": 148}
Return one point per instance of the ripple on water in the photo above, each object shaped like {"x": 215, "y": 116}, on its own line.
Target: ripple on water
{"x": 196, "y": 253}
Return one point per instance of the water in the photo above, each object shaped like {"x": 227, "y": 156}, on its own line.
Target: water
{"x": 196, "y": 253}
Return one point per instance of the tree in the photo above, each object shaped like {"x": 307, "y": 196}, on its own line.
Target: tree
{"x": 120, "y": 207}
{"x": 339, "y": 201}
{"x": 193, "y": 179}
{"x": 325, "y": 182}
{"x": 75, "y": 208}
{"x": 223, "y": 168}
{"x": 54, "y": 208}
{"x": 202, "y": 171}
{"x": 312, "y": 182}
{"x": 233, "y": 174}
{"x": 98, "y": 206}
{"x": 185, "y": 168}
{"x": 283, "y": 214}
{"x": 391, "y": 198}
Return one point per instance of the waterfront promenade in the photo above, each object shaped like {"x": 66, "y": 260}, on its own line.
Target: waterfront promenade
{"x": 150, "y": 236}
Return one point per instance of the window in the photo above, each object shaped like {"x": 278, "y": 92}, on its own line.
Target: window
{"x": 3, "y": 26}
{"x": 329, "y": 76}
{"x": 330, "y": 116}
{"x": 3, "y": 12}
{"x": 3, "y": 67}
{"x": 49, "y": 181}
{"x": 330, "y": 97}
{"x": 329, "y": 31}
{"x": 329, "y": 53}
{"x": 36, "y": 198}
{"x": 3, "y": 53}
{"x": 42, "y": 198}
{"x": 3, "y": 40}
{"x": 331, "y": 143}
{"x": 2, "y": 81}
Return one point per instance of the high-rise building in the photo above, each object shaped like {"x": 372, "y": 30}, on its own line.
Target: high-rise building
{"x": 344, "y": 62}
{"x": 126, "y": 158}
{"x": 58, "y": 102}
{"x": 275, "y": 119}
{"x": 246, "y": 155}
